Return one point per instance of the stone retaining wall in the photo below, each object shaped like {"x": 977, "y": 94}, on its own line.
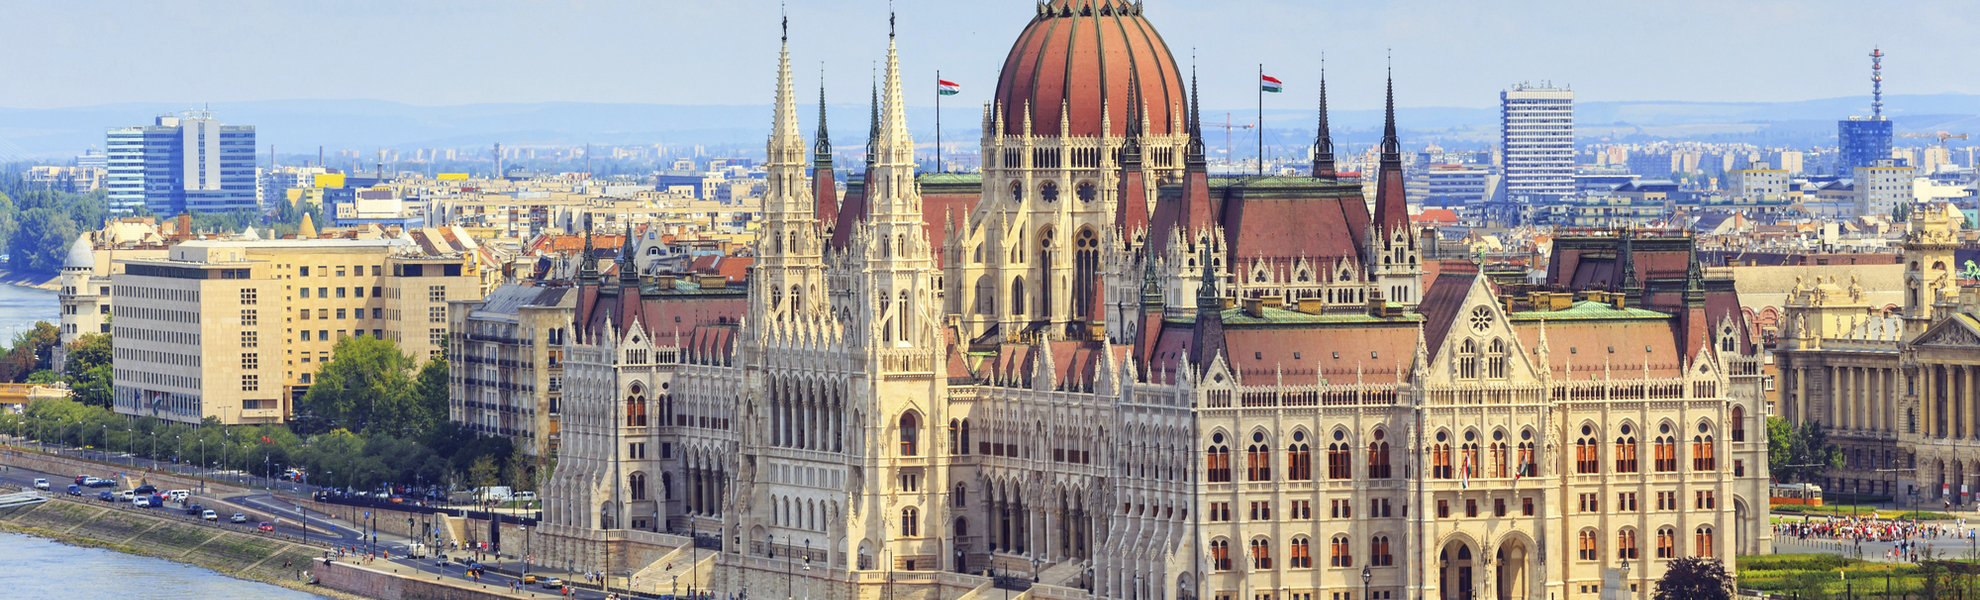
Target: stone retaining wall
{"x": 373, "y": 583}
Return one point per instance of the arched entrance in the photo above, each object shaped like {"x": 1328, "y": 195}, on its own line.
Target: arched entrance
{"x": 1454, "y": 579}
{"x": 1509, "y": 570}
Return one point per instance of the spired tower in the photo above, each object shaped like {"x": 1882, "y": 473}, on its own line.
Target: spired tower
{"x": 789, "y": 271}
{"x": 1395, "y": 256}
{"x": 1080, "y": 78}
{"x": 1930, "y": 275}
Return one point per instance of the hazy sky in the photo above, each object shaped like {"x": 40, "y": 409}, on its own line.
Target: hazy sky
{"x": 1446, "y": 53}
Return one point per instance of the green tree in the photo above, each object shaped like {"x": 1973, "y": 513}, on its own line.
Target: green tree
{"x": 1799, "y": 454}
{"x": 1694, "y": 578}
{"x": 88, "y": 371}
{"x": 366, "y": 386}
{"x": 431, "y": 391}
{"x": 32, "y": 351}
{"x": 482, "y": 473}
{"x": 42, "y": 240}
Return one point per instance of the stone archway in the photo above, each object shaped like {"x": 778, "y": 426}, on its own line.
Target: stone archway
{"x": 1456, "y": 574}
{"x": 1510, "y": 574}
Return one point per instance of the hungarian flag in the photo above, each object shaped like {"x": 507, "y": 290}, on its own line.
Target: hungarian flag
{"x": 947, "y": 88}
{"x": 1464, "y": 473}
{"x": 1269, "y": 83}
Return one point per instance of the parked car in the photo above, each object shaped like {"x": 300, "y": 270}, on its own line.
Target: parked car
{"x": 552, "y": 583}
{"x": 41, "y": 483}
{"x": 127, "y": 496}
{"x": 107, "y": 496}
{"x": 209, "y": 515}
{"x": 75, "y": 490}
{"x": 194, "y": 509}
{"x": 141, "y": 502}
{"x": 265, "y": 527}
{"x": 146, "y": 489}
{"x": 239, "y": 518}
{"x": 525, "y": 497}
{"x": 179, "y": 495}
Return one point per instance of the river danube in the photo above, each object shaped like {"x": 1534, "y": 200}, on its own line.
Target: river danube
{"x": 38, "y": 568}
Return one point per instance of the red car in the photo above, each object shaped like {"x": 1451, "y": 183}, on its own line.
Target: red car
{"x": 265, "y": 527}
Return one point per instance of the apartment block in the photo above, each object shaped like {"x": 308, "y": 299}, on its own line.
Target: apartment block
{"x": 237, "y": 328}
{"x": 508, "y": 363}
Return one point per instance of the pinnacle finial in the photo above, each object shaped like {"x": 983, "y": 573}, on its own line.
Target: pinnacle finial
{"x": 1389, "y": 143}
{"x": 890, "y": 19}
{"x": 787, "y": 22}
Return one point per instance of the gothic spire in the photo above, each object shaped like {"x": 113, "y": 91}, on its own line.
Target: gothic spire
{"x": 1323, "y": 142}
{"x": 1390, "y": 146}
{"x": 822, "y": 149}
{"x": 1193, "y": 153}
{"x": 873, "y": 129}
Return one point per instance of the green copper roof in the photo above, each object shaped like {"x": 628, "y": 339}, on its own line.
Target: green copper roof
{"x": 1588, "y": 310}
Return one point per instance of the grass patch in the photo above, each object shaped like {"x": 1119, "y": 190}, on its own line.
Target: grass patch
{"x": 1821, "y": 576}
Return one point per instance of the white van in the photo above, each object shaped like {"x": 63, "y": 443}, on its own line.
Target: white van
{"x": 178, "y": 495}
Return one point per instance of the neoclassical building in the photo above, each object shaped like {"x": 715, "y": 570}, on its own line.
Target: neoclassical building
{"x": 1100, "y": 369}
{"x": 1896, "y": 391}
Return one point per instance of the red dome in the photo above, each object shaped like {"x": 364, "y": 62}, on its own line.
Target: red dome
{"x": 1087, "y": 54}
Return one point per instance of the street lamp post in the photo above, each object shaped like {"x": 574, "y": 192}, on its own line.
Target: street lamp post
{"x": 807, "y": 568}
{"x": 1625, "y": 579}
{"x": 1366, "y": 575}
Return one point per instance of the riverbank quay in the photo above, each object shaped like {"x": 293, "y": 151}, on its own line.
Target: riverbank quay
{"x": 266, "y": 558}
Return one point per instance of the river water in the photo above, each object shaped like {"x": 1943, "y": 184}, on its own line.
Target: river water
{"x": 39, "y": 568}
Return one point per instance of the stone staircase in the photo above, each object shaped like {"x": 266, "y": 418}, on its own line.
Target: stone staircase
{"x": 685, "y": 562}
{"x": 1064, "y": 574}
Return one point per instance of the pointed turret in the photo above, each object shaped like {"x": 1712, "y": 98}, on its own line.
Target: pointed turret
{"x": 1392, "y": 256}
{"x": 1131, "y": 210}
{"x": 1632, "y": 286}
{"x": 1208, "y": 337}
{"x": 1323, "y": 142}
{"x": 824, "y": 181}
{"x": 1391, "y": 210}
{"x": 1192, "y": 213}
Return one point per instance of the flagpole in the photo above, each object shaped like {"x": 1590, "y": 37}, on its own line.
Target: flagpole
{"x": 938, "y": 120}
{"x": 1261, "y": 119}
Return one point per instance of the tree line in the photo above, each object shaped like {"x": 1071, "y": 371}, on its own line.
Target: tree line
{"x": 373, "y": 417}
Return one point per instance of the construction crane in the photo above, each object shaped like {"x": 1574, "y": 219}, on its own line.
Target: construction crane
{"x": 1227, "y": 127}
{"x": 1941, "y": 136}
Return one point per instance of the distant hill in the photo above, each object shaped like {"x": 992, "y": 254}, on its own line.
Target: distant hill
{"x": 299, "y": 126}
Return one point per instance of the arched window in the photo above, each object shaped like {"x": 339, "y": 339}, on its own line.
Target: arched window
{"x": 1299, "y": 460}
{"x": 1468, "y": 359}
{"x": 636, "y": 408}
{"x": 1703, "y": 541}
{"x": 1337, "y": 459}
{"x": 1739, "y": 424}
{"x": 1258, "y": 459}
{"x": 1338, "y": 554}
{"x": 1587, "y": 452}
{"x": 1591, "y": 546}
{"x": 910, "y": 522}
{"x": 1378, "y": 552}
{"x": 1664, "y": 450}
{"x": 1086, "y": 269}
{"x": 955, "y": 429}
{"x": 1017, "y": 295}
{"x": 1220, "y": 555}
{"x": 636, "y": 485}
{"x": 1218, "y": 460}
{"x": 1498, "y": 464}
{"x": 1495, "y": 359}
{"x": 910, "y": 433}
{"x": 1528, "y": 465}
{"x": 1626, "y": 544}
{"x": 1702, "y": 457}
{"x": 961, "y": 494}
{"x": 1471, "y": 464}
{"x": 986, "y": 295}
{"x": 1666, "y": 543}
{"x": 1378, "y": 457}
{"x": 1440, "y": 457}
{"x": 964, "y": 448}
{"x": 1626, "y": 451}
{"x": 1302, "y": 554}
{"x": 1261, "y": 553}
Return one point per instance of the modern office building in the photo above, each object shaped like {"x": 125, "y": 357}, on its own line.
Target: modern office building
{"x": 1537, "y": 131}
{"x": 184, "y": 162}
{"x": 1862, "y": 141}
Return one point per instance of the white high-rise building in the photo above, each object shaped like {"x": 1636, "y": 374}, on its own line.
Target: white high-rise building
{"x": 1537, "y": 131}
